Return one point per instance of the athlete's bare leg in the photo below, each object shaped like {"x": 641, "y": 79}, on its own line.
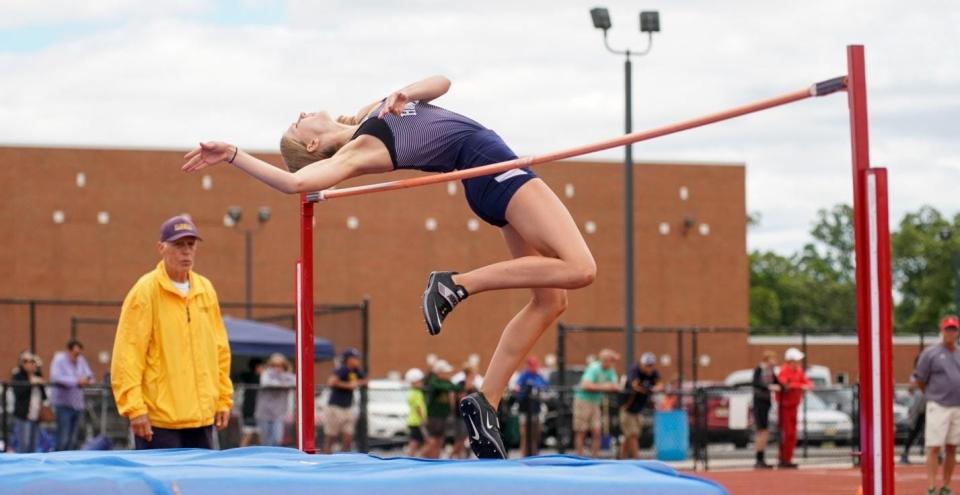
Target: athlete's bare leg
{"x": 550, "y": 255}
{"x": 559, "y": 257}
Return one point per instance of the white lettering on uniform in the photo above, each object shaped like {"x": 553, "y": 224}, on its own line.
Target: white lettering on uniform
{"x": 409, "y": 109}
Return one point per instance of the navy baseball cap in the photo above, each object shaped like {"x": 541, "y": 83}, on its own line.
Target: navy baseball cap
{"x": 178, "y": 227}
{"x": 349, "y": 353}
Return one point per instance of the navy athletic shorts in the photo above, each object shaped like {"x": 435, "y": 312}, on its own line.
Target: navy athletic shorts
{"x": 489, "y": 195}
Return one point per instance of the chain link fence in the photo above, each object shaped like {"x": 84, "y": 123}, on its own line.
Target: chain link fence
{"x": 44, "y": 326}
{"x": 707, "y": 373}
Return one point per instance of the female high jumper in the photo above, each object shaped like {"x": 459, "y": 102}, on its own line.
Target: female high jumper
{"x": 404, "y": 131}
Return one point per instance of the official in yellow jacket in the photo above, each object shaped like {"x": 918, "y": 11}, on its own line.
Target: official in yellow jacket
{"x": 171, "y": 360}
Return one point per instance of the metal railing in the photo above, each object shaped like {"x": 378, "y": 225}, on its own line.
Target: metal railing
{"x": 101, "y": 420}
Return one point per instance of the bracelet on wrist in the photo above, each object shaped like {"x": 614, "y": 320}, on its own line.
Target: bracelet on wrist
{"x": 234, "y": 157}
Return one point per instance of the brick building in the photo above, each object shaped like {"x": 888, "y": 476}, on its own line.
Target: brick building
{"x": 83, "y": 224}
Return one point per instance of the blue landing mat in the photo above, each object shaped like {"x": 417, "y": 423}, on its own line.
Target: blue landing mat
{"x": 264, "y": 470}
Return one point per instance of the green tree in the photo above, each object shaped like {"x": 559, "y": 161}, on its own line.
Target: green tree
{"x": 834, "y": 248}
{"x": 923, "y": 252}
{"x": 812, "y": 288}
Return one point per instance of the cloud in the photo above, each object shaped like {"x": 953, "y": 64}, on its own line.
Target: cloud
{"x": 166, "y": 75}
{"x": 32, "y": 13}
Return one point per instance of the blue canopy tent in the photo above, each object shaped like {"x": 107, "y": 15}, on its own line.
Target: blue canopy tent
{"x": 256, "y": 338}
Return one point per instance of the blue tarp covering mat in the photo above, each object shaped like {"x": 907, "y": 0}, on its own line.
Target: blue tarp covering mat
{"x": 266, "y": 470}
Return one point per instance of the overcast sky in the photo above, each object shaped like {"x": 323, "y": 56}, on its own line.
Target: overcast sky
{"x": 128, "y": 73}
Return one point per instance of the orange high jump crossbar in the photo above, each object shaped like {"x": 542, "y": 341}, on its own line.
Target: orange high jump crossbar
{"x": 818, "y": 89}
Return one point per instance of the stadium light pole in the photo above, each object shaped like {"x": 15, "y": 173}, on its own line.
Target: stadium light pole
{"x": 649, "y": 23}
{"x": 232, "y": 219}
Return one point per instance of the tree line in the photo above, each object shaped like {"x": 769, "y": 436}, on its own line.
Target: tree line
{"x": 814, "y": 287}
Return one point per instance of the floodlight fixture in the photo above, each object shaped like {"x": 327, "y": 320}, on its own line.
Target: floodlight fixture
{"x": 601, "y": 18}
{"x": 235, "y": 213}
{"x": 650, "y": 21}
{"x": 263, "y": 214}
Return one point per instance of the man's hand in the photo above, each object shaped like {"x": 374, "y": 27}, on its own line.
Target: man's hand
{"x": 221, "y": 419}
{"x": 141, "y": 427}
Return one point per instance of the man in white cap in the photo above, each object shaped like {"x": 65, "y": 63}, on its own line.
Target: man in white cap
{"x": 794, "y": 383}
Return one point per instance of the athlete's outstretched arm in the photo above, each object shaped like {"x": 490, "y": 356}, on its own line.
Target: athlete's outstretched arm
{"x": 426, "y": 90}
{"x": 313, "y": 177}
{"x": 357, "y": 158}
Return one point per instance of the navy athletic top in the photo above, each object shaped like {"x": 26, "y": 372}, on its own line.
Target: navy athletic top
{"x": 424, "y": 137}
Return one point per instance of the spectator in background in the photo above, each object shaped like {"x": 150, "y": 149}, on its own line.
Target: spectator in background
{"x": 793, "y": 383}
{"x": 273, "y": 400}
{"x": 417, "y": 410}
{"x": 171, "y": 360}
{"x": 643, "y": 381}
{"x": 438, "y": 392}
{"x": 938, "y": 376}
{"x": 105, "y": 379}
{"x": 916, "y": 416}
{"x": 528, "y": 389}
{"x": 599, "y": 377}
{"x": 69, "y": 372}
{"x": 251, "y": 382}
{"x": 764, "y": 383}
{"x": 473, "y": 367}
{"x": 28, "y": 397}
{"x": 339, "y": 417}
{"x": 467, "y": 382}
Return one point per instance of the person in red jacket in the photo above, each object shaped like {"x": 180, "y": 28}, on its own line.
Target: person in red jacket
{"x": 794, "y": 383}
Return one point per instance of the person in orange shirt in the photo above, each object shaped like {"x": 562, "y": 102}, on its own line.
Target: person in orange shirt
{"x": 794, "y": 383}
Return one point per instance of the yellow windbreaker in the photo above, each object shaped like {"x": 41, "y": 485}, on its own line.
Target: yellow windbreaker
{"x": 171, "y": 358}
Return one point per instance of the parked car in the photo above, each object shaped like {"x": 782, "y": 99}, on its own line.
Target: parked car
{"x": 728, "y": 415}
{"x": 819, "y": 375}
{"x": 827, "y": 420}
{"x": 823, "y": 423}
{"x": 841, "y": 398}
{"x": 387, "y": 410}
